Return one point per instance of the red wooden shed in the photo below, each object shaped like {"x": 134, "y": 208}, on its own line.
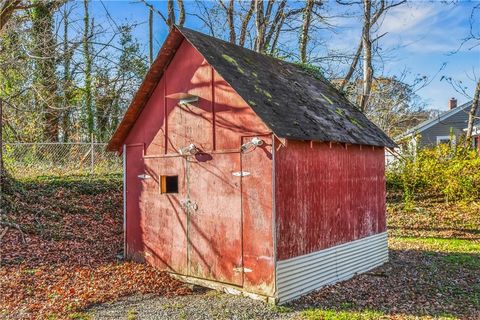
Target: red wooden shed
{"x": 248, "y": 173}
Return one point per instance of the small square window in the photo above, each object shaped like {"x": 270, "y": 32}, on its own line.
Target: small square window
{"x": 169, "y": 184}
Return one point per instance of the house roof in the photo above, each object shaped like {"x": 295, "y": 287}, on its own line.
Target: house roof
{"x": 431, "y": 122}
{"x": 293, "y": 102}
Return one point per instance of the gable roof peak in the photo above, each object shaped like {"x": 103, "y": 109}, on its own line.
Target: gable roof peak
{"x": 288, "y": 99}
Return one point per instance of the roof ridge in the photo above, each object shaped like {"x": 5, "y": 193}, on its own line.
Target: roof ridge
{"x": 439, "y": 118}
{"x": 291, "y": 101}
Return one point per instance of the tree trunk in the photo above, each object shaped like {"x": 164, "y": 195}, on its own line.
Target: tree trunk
{"x": 67, "y": 80}
{"x": 353, "y": 66}
{"x": 45, "y": 80}
{"x": 181, "y": 8}
{"x": 171, "y": 14}
{"x": 307, "y": 17}
{"x": 472, "y": 115}
{"x": 150, "y": 35}
{"x": 245, "y": 21}
{"x": 260, "y": 25}
{"x": 276, "y": 24}
{"x": 7, "y": 8}
{"x": 229, "y": 11}
{"x": 87, "y": 57}
{"x": 367, "y": 56}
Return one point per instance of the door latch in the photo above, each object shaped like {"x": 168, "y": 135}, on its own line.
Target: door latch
{"x": 190, "y": 205}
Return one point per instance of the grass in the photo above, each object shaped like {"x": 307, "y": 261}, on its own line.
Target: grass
{"x": 320, "y": 314}
{"x": 458, "y": 252}
{"x": 80, "y": 316}
{"x": 426, "y": 278}
{"x": 440, "y": 244}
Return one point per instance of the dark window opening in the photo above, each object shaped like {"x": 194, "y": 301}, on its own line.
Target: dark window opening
{"x": 169, "y": 184}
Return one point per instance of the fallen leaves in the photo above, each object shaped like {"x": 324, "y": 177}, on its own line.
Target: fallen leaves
{"x": 69, "y": 261}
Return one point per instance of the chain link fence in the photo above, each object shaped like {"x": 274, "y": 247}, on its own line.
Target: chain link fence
{"x": 25, "y": 160}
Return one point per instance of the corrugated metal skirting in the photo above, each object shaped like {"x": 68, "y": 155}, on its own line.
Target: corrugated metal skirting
{"x": 300, "y": 275}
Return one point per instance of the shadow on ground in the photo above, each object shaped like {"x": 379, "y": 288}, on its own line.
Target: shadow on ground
{"x": 414, "y": 283}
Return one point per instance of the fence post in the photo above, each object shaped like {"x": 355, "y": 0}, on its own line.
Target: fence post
{"x": 92, "y": 154}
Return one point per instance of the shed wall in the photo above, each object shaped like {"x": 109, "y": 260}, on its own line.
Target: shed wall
{"x": 326, "y": 195}
{"x": 201, "y": 243}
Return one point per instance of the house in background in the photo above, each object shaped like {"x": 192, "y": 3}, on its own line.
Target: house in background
{"x": 249, "y": 174}
{"x": 448, "y": 127}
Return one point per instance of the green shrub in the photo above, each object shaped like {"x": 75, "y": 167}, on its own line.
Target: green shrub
{"x": 452, "y": 172}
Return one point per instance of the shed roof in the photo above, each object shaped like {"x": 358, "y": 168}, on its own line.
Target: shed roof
{"x": 292, "y": 101}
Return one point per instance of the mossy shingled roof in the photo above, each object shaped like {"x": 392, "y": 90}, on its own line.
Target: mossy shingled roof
{"x": 291, "y": 100}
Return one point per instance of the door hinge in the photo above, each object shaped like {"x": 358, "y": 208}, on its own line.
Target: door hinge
{"x": 241, "y": 269}
{"x": 143, "y": 176}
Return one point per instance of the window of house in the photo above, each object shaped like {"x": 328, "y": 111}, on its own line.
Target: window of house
{"x": 445, "y": 140}
{"x": 168, "y": 184}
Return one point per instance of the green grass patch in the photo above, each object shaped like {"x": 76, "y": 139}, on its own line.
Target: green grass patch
{"x": 459, "y": 252}
{"x": 320, "y": 314}
{"x": 80, "y": 316}
{"x": 440, "y": 244}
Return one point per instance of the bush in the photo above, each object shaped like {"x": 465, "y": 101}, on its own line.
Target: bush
{"x": 452, "y": 172}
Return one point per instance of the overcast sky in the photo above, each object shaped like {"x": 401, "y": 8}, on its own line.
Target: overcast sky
{"x": 421, "y": 37}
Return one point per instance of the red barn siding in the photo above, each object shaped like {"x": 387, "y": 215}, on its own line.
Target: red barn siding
{"x": 258, "y": 246}
{"x": 327, "y": 194}
{"x": 232, "y": 227}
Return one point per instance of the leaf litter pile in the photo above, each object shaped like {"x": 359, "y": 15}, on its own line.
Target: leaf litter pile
{"x": 64, "y": 258}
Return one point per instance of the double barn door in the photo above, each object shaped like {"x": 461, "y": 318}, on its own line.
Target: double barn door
{"x": 195, "y": 227}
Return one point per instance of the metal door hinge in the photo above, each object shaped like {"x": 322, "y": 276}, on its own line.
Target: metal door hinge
{"x": 143, "y": 176}
{"x": 241, "y": 269}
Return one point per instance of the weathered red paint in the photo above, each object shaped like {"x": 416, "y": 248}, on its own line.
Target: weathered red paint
{"x": 231, "y": 228}
{"x": 327, "y": 194}
{"x": 295, "y": 197}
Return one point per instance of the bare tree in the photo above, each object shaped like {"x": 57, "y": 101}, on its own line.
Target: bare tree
{"x": 87, "y": 56}
{"x": 170, "y": 18}
{"x": 45, "y": 79}
{"x": 307, "y": 19}
{"x": 245, "y": 22}
{"x": 230, "y": 19}
{"x": 260, "y": 25}
{"x": 150, "y": 35}
{"x": 371, "y": 16}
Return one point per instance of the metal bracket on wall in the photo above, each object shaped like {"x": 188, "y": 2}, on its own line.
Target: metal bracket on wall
{"x": 240, "y": 269}
{"x": 143, "y": 176}
{"x": 241, "y": 173}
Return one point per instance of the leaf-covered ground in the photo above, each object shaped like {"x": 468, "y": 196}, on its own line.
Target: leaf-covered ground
{"x": 425, "y": 278}
{"x": 68, "y": 261}
{"x": 435, "y": 218}
{"x": 73, "y": 233}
